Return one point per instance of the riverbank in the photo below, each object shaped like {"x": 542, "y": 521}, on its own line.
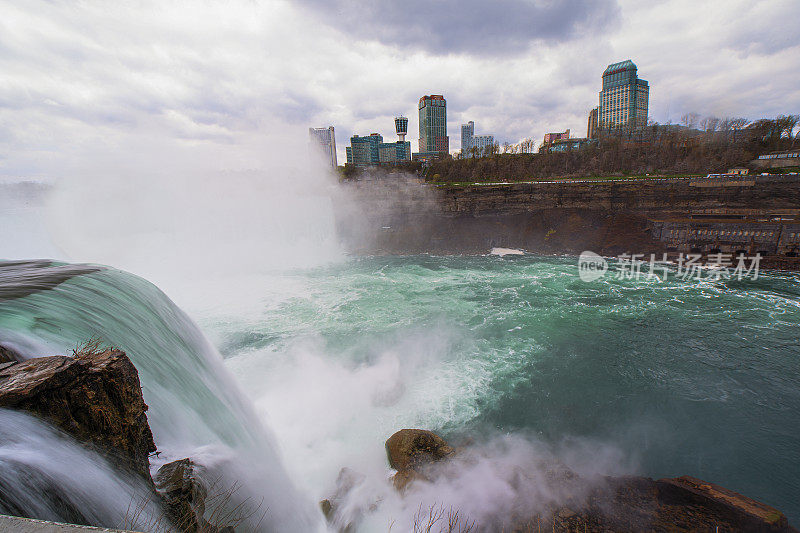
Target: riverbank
{"x": 396, "y": 216}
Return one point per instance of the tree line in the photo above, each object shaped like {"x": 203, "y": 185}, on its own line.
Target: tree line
{"x": 698, "y": 145}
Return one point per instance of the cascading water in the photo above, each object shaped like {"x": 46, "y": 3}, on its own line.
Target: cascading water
{"x": 44, "y": 474}
{"x": 193, "y": 403}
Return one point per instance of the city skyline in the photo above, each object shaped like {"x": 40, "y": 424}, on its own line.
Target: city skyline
{"x": 88, "y": 76}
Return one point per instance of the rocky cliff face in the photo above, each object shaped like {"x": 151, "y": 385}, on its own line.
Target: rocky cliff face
{"x": 95, "y": 397}
{"x": 606, "y": 217}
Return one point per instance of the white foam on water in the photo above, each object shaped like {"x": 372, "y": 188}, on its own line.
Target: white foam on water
{"x": 506, "y": 251}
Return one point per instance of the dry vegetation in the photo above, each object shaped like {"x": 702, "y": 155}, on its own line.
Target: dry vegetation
{"x": 225, "y": 513}
{"x": 666, "y": 150}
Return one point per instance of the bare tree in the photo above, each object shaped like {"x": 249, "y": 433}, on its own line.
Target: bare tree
{"x": 786, "y": 125}
{"x": 738, "y": 124}
{"x": 690, "y": 120}
{"x": 526, "y": 146}
{"x": 709, "y": 124}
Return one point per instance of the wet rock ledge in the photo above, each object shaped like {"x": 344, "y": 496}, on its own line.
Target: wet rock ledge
{"x": 96, "y": 398}
{"x": 619, "y": 504}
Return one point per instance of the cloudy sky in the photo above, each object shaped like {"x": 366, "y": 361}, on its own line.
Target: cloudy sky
{"x": 82, "y": 78}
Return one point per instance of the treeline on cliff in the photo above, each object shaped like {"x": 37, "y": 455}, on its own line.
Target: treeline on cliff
{"x": 667, "y": 150}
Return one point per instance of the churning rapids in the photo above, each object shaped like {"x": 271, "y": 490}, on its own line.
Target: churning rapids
{"x": 278, "y": 378}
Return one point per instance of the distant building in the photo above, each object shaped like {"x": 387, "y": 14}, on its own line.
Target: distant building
{"x": 561, "y": 142}
{"x": 623, "y": 100}
{"x": 364, "y": 151}
{"x": 399, "y": 151}
{"x": 591, "y": 128}
{"x": 425, "y": 157}
{"x": 474, "y": 145}
{"x": 325, "y": 140}
{"x": 467, "y": 133}
{"x": 401, "y": 127}
{"x": 778, "y": 159}
{"x": 433, "y": 125}
{"x": 393, "y": 153}
{"x": 372, "y": 151}
{"x": 565, "y": 145}
{"x": 552, "y": 137}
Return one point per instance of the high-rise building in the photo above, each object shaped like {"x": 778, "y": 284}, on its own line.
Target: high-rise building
{"x": 591, "y": 128}
{"x": 623, "y": 100}
{"x": 433, "y": 125}
{"x": 325, "y": 140}
{"x": 474, "y": 145}
{"x": 364, "y": 151}
{"x": 467, "y": 133}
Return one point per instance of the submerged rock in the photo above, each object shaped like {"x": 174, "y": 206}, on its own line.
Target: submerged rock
{"x": 95, "y": 397}
{"x": 331, "y": 507}
{"x": 184, "y": 495}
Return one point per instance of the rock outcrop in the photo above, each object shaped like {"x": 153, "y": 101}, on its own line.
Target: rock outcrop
{"x": 630, "y": 504}
{"x": 622, "y": 504}
{"x": 331, "y": 507}
{"x": 7, "y": 355}
{"x": 95, "y": 397}
{"x": 184, "y": 492}
{"x": 410, "y": 451}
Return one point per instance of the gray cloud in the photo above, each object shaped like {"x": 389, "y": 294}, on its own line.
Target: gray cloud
{"x": 477, "y": 27}
{"x": 221, "y": 76}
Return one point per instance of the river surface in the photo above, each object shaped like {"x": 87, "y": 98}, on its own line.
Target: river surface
{"x": 278, "y": 379}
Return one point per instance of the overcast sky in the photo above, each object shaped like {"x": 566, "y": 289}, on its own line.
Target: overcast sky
{"x": 76, "y": 77}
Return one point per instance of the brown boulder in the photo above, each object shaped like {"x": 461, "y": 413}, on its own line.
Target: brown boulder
{"x": 413, "y": 448}
{"x": 95, "y": 396}
{"x": 410, "y": 450}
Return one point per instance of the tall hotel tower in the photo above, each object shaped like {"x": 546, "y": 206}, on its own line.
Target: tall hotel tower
{"x": 433, "y": 124}
{"x": 325, "y": 140}
{"x": 623, "y": 100}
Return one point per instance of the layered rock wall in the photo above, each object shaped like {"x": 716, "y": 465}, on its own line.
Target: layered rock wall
{"x": 608, "y": 217}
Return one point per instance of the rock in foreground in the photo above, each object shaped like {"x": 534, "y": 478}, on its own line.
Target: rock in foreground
{"x": 95, "y": 397}
{"x": 409, "y": 452}
{"x": 184, "y": 492}
{"x": 622, "y": 504}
